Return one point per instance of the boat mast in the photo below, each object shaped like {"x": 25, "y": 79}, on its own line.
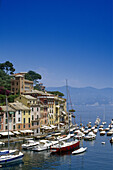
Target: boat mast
{"x": 68, "y": 105}
{"x": 7, "y": 119}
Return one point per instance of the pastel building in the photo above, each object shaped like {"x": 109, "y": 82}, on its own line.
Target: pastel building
{"x": 22, "y": 116}
{"x": 42, "y": 99}
{"x": 5, "y": 113}
{"x": 34, "y": 106}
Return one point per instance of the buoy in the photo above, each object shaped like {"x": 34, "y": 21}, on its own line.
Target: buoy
{"x": 103, "y": 143}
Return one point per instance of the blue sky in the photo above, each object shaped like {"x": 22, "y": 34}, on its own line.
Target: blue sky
{"x": 59, "y": 39}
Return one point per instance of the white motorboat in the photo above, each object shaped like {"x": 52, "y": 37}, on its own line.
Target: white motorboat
{"x": 90, "y": 136}
{"x": 43, "y": 145}
{"x": 111, "y": 140}
{"x": 109, "y": 133}
{"x": 2, "y": 143}
{"x": 79, "y": 136}
{"x": 95, "y": 131}
{"x": 11, "y": 158}
{"x": 80, "y": 150}
{"x": 29, "y": 144}
{"x": 64, "y": 137}
{"x": 103, "y": 132}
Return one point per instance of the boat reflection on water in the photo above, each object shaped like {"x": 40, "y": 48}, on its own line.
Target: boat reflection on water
{"x": 61, "y": 153}
{"x": 14, "y": 165}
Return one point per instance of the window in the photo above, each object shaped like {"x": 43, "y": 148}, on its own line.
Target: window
{"x": 32, "y": 117}
{"x": 37, "y": 116}
{"x": 29, "y": 125}
{"x": 19, "y": 119}
{"x": 37, "y": 123}
{"x": 24, "y": 120}
{"x": 28, "y": 120}
{"x": 6, "y": 114}
{"x": 32, "y": 124}
{"x": 6, "y": 127}
{"x": 0, "y": 126}
{"x": 14, "y": 127}
{"x": 45, "y": 101}
{"x": 18, "y": 126}
{"x": 37, "y": 109}
{"x": 29, "y": 112}
{"x": 32, "y": 109}
{"x": 6, "y": 121}
{"x": 14, "y": 114}
{"x": 0, "y": 119}
{"x": 45, "y": 121}
{"x": 19, "y": 112}
{"x": 14, "y": 120}
{"x": 24, "y": 112}
{"x": 24, "y": 126}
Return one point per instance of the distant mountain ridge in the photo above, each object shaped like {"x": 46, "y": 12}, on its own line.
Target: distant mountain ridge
{"x": 87, "y": 95}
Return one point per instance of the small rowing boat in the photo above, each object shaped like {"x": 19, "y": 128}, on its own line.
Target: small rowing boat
{"x": 80, "y": 150}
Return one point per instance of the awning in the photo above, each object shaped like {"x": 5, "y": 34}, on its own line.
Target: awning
{"x": 26, "y": 131}
{"x": 16, "y": 132}
{"x": 61, "y": 124}
{"x": 52, "y": 126}
{"x": 6, "y": 133}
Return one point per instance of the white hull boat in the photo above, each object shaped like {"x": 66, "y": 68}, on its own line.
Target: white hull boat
{"x": 30, "y": 144}
{"x": 80, "y": 150}
{"x": 4, "y": 152}
{"x": 11, "y": 158}
{"x": 43, "y": 145}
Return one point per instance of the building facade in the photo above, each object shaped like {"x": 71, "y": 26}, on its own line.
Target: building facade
{"x": 19, "y": 84}
{"x": 34, "y": 106}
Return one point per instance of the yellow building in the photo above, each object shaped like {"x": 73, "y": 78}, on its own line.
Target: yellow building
{"x": 56, "y": 110}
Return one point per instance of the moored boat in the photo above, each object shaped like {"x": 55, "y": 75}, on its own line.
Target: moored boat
{"x": 65, "y": 146}
{"x": 80, "y": 150}
{"x": 30, "y": 144}
{"x": 11, "y": 158}
{"x": 111, "y": 140}
{"x": 4, "y": 152}
{"x": 103, "y": 132}
{"x": 90, "y": 136}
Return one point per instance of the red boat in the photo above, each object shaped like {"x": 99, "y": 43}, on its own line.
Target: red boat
{"x": 65, "y": 146}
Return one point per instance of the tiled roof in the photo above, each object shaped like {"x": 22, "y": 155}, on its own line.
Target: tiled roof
{"x": 18, "y": 106}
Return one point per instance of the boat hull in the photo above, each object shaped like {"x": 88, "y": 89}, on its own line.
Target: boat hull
{"x": 66, "y": 148}
{"x": 81, "y": 150}
{"x": 10, "y": 160}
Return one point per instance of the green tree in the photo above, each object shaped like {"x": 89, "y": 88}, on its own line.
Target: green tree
{"x": 56, "y": 93}
{"x": 7, "y": 67}
{"x": 5, "y": 80}
{"x": 33, "y": 76}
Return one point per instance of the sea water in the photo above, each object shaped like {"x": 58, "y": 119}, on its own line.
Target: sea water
{"x": 97, "y": 156}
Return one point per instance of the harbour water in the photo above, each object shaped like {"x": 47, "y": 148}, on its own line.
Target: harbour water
{"x": 97, "y": 156}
